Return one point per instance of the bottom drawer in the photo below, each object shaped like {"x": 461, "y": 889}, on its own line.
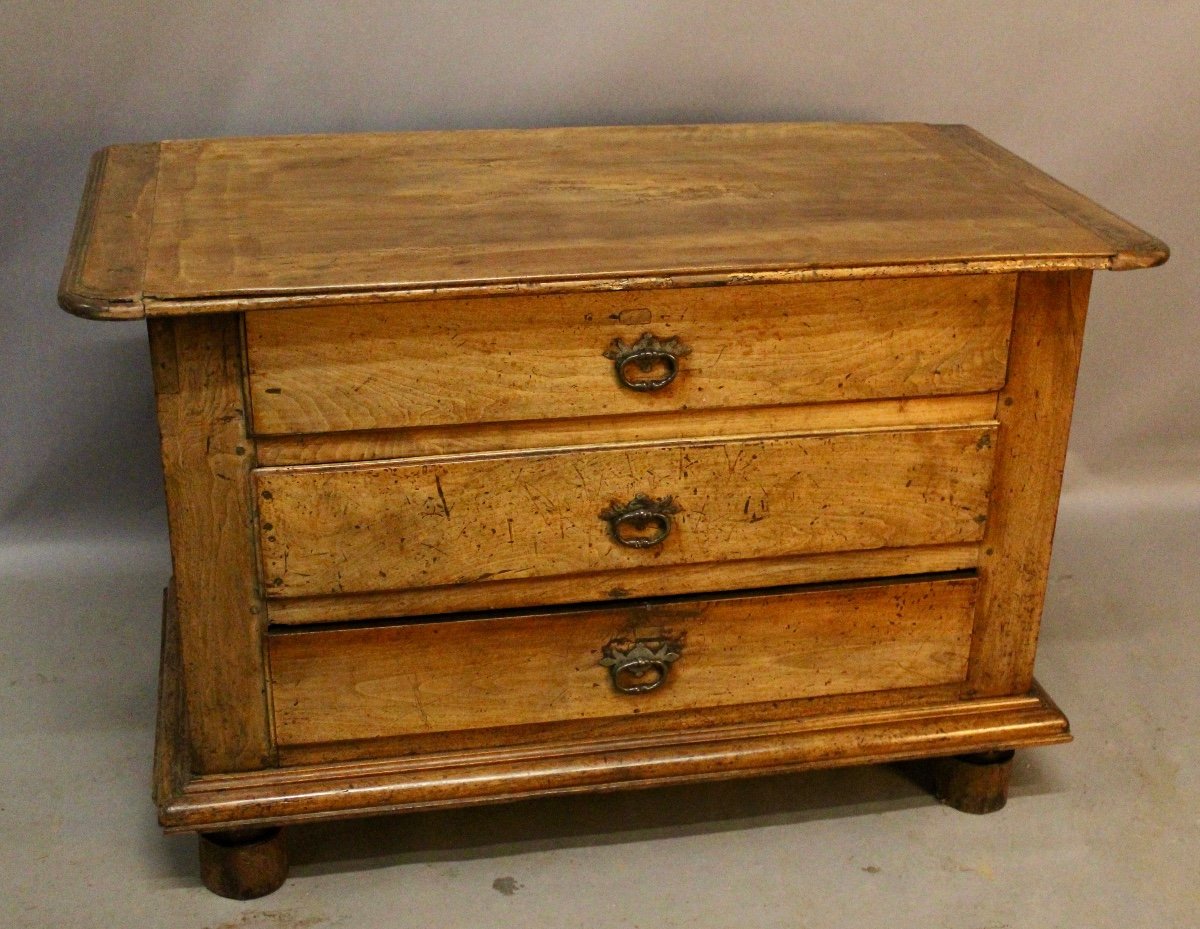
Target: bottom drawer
{"x": 333, "y": 685}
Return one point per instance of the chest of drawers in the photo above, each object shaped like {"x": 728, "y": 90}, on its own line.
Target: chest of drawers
{"x": 512, "y": 463}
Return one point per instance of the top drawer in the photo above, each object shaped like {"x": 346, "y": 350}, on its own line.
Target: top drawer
{"x": 446, "y": 362}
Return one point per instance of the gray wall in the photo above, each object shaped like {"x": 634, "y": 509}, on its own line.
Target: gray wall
{"x": 1103, "y": 95}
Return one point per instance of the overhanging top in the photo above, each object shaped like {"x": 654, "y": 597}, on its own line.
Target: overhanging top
{"x": 227, "y": 224}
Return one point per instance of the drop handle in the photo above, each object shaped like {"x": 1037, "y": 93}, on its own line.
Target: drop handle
{"x": 642, "y": 665}
{"x": 647, "y": 354}
{"x": 629, "y": 522}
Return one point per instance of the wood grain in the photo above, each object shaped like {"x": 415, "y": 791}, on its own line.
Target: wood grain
{"x": 380, "y": 366}
{"x": 549, "y": 434}
{"x": 293, "y": 221}
{"x": 102, "y": 278}
{"x": 1035, "y": 420}
{"x": 348, "y": 684}
{"x": 390, "y": 526}
{"x": 427, "y": 210}
{"x": 626, "y": 584}
{"x": 207, "y": 459}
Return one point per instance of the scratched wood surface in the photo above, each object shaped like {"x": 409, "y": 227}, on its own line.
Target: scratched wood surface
{"x": 342, "y": 684}
{"x": 741, "y": 423}
{"x": 386, "y": 526}
{"x": 244, "y": 223}
{"x": 626, "y": 583}
{"x": 381, "y": 366}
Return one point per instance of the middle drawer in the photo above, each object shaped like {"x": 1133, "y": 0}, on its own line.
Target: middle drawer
{"x": 475, "y": 519}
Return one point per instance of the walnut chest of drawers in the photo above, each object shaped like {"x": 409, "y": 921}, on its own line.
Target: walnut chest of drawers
{"x": 512, "y": 463}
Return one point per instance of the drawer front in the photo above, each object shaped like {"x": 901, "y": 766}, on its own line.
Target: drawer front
{"x": 449, "y": 362}
{"x": 480, "y": 519}
{"x": 352, "y": 684}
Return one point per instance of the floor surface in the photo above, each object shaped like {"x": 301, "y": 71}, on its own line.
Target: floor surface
{"x": 1104, "y": 832}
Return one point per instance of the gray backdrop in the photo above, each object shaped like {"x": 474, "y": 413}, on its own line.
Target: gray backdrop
{"x": 1105, "y": 96}
{"x": 1103, "y": 834}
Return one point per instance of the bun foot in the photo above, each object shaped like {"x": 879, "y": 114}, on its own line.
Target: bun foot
{"x": 242, "y": 864}
{"x": 973, "y": 783}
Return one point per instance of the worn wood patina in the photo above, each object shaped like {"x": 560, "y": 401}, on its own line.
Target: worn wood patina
{"x": 511, "y": 463}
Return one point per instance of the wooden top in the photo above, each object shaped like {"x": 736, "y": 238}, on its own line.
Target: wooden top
{"x": 225, "y": 224}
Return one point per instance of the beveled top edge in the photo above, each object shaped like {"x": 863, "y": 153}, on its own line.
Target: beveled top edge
{"x": 1133, "y": 247}
{"x": 298, "y": 299}
{"x": 106, "y": 267}
{"x": 106, "y": 262}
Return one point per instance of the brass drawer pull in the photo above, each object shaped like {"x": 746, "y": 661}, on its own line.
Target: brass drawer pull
{"x": 647, "y": 353}
{"x": 628, "y": 663}
{"x": 626, "y": 521}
